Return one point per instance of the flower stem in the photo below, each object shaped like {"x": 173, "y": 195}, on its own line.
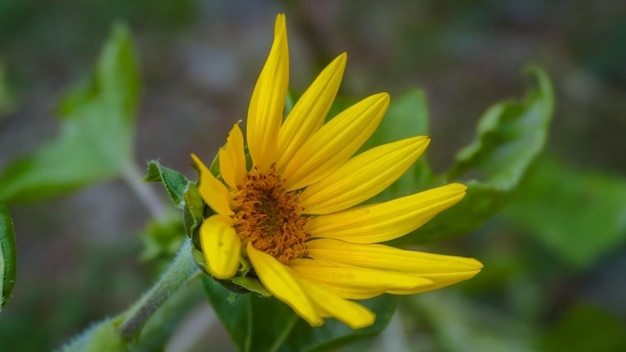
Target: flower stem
{"x": 182, "y": 271}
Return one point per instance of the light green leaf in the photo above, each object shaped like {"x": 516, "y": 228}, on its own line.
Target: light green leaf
{"x": 578, "y": 215}
{"x": 8, "y": 261}
{"x": 95, "y": 140}
{"x": 256, "y": 323}
{"x": 509, "y": 138}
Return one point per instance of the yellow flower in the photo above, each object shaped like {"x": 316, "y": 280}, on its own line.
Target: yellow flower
{"x": 291, "y": 212}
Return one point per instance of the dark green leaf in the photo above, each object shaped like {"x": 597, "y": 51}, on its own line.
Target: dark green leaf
{"x": 255, "y": 323}
{"x": 510, "y": 136}
{"x": 95, "y": 140}
{"x": 8, "y": 259}
{"x": 579, "y": 215}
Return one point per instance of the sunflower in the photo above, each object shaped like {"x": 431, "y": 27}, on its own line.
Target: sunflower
{"x": 287, "y": 212}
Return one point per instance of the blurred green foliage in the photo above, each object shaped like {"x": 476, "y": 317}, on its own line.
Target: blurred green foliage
{"x": 579, "y": 215}
{"x": 96, "y": 137}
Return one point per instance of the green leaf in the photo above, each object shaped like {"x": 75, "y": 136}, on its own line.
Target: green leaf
{"x": 174, "y": 182}
{"x": 578, "y": 215}
{"x": 8, "y": 261}
{"x": 95, "y": 139}
{"x": 510, "y": 136}
{"x": 255, "y": 323}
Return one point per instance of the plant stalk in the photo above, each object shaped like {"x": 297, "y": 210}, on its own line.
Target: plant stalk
{"x": 181, "y": 271}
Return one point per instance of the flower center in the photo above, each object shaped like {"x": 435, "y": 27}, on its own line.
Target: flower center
{"x": 270, "y": 217}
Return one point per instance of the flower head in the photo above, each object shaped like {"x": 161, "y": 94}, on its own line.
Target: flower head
{"x": 289, "y": 213}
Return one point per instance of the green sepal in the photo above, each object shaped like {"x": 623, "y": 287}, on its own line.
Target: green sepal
{"x": 182, "y": 192}
{"x": 174, "y": 182}
{"x": 193, "y": 212}
{"x": 8, "y": 257}
{"x": 252, "y": 285}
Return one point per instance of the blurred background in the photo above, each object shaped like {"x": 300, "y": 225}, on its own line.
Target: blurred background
{"x": 555, "y": 256}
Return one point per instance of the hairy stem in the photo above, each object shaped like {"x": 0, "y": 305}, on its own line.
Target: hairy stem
{"x": 182, "y": 270}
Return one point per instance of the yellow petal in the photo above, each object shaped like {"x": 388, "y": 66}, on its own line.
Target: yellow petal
{"x": 277, "y": 279}
{"x": 334, "y": 143}
{"x": 309, "y": 113}
{"x": 352, "y": 292}
{"x": 350, "y": 313}
{"x": 378, "y": 256}
{"x": 442, "y": 270}
{"x": 265, "y": 113}
{"x": 439, "y": 281}
{"x": 212, "y": 190}
{"x": 350, "y": 277}
{"x": 232, "y": 158}
{"x": 221, "y": 246}
{"x": 388, "y": 220}
{"x": 363, "y": 176}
